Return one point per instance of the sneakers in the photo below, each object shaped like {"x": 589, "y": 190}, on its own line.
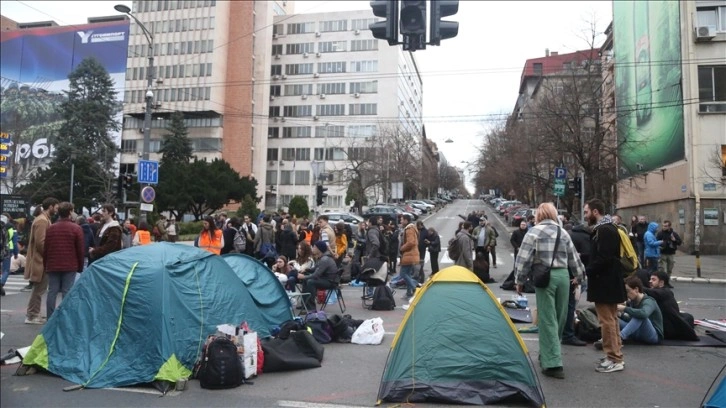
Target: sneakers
{"x": 27, "y": 288}
{"x": 554, "y": 372}
{"x": 608, "y": 366}
{"x": 35, "y": 320}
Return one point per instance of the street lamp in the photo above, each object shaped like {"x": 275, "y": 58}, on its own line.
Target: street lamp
{"x": 149, "y": 78}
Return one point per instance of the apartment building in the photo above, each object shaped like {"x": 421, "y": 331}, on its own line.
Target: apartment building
{"x": 673, "y": 166}
{"x": 331, "y": 87}
{"x": 211, "y": 63}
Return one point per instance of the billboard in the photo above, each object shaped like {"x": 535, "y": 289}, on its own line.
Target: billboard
{"x": 34, "y": 69}
{"x": 649, "y": 98}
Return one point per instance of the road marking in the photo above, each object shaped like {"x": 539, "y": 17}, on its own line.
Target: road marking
{"x": 14, "y": 284}
{"x": 305, "y": 404}
{"x": 710, "y": 300}
{"x": 139, "y": 390}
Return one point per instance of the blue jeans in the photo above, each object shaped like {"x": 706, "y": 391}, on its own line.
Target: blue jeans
{"x": 6, "y": 270}
{"x": 641, "y": 330}
{"x": 652, "y": 264}
{"x": 407, "y": 275}
{"x": 569, "y": 331}
{"x": 58, "y": 282}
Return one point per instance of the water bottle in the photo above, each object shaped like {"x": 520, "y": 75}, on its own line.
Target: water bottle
{"x": 522, "y": 301}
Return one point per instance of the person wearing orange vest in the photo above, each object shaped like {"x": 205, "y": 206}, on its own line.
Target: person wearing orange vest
{"x": 142, "y": 236}
{"x": 210, "y": 239}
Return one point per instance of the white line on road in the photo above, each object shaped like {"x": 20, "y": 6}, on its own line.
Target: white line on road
{"x": 305, "y": 404}
{"x": 706, "y": 299}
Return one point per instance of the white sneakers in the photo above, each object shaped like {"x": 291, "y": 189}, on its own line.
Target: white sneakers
{"x": 607, "y": 366}
{"x": 36, "y": 320}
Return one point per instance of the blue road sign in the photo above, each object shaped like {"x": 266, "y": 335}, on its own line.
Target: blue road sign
{"x": 560, "y": 173}
{"x": 148, "y": 194}
{"x": 148, "y": 172}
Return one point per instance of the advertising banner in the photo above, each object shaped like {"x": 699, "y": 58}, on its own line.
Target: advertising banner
{"x": 649, "y": 98}
{"x": 34, "y": 66}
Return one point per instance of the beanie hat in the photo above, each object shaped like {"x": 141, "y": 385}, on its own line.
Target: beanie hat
{"x": 322, "y": 246}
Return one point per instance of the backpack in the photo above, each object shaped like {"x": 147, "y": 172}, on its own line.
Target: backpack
{"x": 383, "y": 298}
{"x": 240, "y": 241}
{"x": 268, "y": 251}
{"x": 321, "y": 329}
{"x": 628, "y": 256}
{"x": 220, "y": 366}
{"x": 588, "y": 326}
{"x": 454, "y": 249}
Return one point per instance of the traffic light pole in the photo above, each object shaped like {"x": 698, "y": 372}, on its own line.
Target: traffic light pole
{"x": 582, "y": 197}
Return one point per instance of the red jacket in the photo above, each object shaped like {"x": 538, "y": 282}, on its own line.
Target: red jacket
{"x": 63, "y": 251}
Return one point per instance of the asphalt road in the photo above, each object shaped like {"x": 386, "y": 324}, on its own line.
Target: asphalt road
{"x": 655, "y": 376}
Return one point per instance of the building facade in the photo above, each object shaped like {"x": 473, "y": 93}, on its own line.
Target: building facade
{"x": 335, "y": 93}
{"x": 687, "y": 187}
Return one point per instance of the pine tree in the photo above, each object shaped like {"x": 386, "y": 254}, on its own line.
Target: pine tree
{"x": 176, "y": 146}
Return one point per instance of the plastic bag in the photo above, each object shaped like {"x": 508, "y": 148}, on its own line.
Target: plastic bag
{"x": 369, "y": 332}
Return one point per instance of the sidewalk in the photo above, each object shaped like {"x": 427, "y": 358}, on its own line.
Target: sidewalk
{"x": 713, "y": 268}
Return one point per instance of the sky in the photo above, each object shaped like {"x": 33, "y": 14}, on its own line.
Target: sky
{"x": 470, "y": 82}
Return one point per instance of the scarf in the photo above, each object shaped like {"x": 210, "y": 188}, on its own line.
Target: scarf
{"x": 112, "y": 223}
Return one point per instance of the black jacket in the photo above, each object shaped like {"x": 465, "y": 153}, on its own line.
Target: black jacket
{"x": 675, "y": 326}
{"x": 228, "y": 234}
{"x": 517, "y": 238}
{"x": 603, "y": 271}
{"x": 639, "y": 231}
{"x": 434, "y": 243}
{"x": 669, "y": 247}
{"x": 581, "y": 239}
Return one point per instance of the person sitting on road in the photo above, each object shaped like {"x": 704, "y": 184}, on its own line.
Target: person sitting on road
{"x": 641, "y": 319}
{"x": 676, "y": 325}
{"x": 324, "y": 274}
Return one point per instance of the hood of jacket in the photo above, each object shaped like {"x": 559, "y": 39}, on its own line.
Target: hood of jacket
{"x": 653, "y": 227}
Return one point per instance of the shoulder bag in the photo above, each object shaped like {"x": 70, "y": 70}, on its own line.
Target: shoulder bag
{"x": 541, "y": 272}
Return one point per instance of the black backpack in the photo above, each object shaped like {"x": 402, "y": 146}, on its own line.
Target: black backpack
{"x": 220, "y": 366}
{"x": 454, "y": 250}
{"x": 383, "y": 298}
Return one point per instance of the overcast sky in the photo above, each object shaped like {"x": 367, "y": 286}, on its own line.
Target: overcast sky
{"x": 470, "y": 81}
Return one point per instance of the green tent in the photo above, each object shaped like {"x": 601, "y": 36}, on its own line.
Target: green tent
{"x": 264, "y": 287}
{"x": 141, "y": 315}
{"x": 457, "y": 345}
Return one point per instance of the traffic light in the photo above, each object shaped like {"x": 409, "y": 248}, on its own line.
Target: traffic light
{"x": 441, "y": 30}
{"x": 413, "y": 25}
{"x": 128, "y": 181}
{"x": 388, "y": 28}
{"x": 321, "y": 194}
{"x": 574, "y": 186}
{"x": 120, "y": 186}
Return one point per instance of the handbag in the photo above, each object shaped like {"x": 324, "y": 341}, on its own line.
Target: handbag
{"x": 540, "y": 272}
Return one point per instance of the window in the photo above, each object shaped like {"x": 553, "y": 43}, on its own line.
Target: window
{"x": 364, "y": 87}
{"x": 300, "y": 48}
{"x": 302, "y": 154}
{"x": 297, "y": 90}
{"x": 300, "y": 28}
{"x": 332, "y": 46}
{"x": 363, "y": 45}
{"x": 276, "y": 70}
{"x": 332, "y": 88}
{"x": 362, "y": 109}
{"x": 331, "y": 67}
{"x": 364, "y": 66}
{"x": 298, "y": 69}
{"x": 296, "y": 131}
{"x": 272, "y": 154}
{"x": 360, "y": 153}
{"x": 272, "y": 177}
{"x": 286, "y": 177}
{"x": 318, "y": 153}
{"x": 330, "y": 110}
{"x": 298, "y": 111}
{"x": 712, "y": 16}
{"x": 712, "y": 89}
{"x": 335, "y": 153}
{"x": 128, "y": 146}
{"x": 206, "y": 145}
{"x": 333, "y": 25}
{"x": 361, "y": 23}
{"x": 275, "y": 90}
{"x": 362, "y": 131}
{"x": 274, "y": 111}
{"x": 273, "y": 132}
{"x": 278, "y": 29}
{"x": 302, "y": 177}
{"x": 277, "y": 49}
{"x": 329, "y": 131}
{"x": 288, "y": 154}
{"x": 538, "y": 68}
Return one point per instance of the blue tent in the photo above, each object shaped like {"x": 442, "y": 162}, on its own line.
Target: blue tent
{"x": 264, "y": 287}
{"x": 142, "y": 315}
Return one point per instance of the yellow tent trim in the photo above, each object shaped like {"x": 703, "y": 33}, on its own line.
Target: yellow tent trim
{"x": 457, "y": 274}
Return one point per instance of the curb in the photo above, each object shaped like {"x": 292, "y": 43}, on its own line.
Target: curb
{"x": 697, "y": 280}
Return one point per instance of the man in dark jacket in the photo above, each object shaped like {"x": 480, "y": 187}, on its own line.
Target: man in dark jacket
{"x": 422, "y": 237}
{"x": 373, "y": 240}
{"x": 605, "y": 283}
{"x": 110, "y": 234}
{"x": 323, "y": 276}
{"x": 580, "y": 236}
{"x": 671, "y": 241}
{"x": 63, "y": 255}
{"x": 638, "y": 232}
{"x": 676, "y": 325}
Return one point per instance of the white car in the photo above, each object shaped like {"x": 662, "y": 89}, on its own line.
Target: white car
{"x": 422, "y": 204}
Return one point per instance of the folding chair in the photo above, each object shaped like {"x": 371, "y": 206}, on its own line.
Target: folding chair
{"x": 339, "y": 293}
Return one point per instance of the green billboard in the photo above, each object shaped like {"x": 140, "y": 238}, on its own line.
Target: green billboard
{"x": 649, "y": 98}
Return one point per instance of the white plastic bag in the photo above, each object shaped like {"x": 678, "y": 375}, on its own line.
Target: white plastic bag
{"x": 249, "y": 362}
{"x": 369, "y": 332}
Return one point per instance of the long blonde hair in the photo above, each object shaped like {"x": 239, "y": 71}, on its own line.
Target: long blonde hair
{"x": 546, "y": 211}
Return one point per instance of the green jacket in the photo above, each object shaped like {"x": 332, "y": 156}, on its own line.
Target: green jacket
{"x": 646, "y": 309}
{"x": 491, "y": 238}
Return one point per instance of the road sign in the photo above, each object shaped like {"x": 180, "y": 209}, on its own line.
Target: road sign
{"x": 560, "y": 173}
{"x": 560, "y": 180}
{"x": 148, "y": 194}
{"x": 148, "y": 172}
{"x": 559, "y": 188}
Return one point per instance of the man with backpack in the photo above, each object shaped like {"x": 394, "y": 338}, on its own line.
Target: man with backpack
{"x": 461, "y": 247}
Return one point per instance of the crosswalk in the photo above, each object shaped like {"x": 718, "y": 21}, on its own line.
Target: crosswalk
{"x": 14, "y": 284}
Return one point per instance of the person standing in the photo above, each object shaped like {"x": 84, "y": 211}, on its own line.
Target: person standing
{"x": 580, "y": 236}
{"x": 171, "y": 231}
{"x": 6, "y": 223}
{"x": 493, "y": 235}
{"x": 541, "y": 245}
{"x": 210, "y": 238}
{"x": 142, "y": 236}
{"x": 652, "y": 247}
{"x": 517, "y": 237}
{"x": 671, "y": 241}
{"x": 110, "y": 234}
{"x": 422, "y": 239}
{"x": 605, "y": 283}
{"x": 327, "y": 235}
{"x": 465, "y": 242}
{"x": 250, "y": 230}
{"x": 433, "y": 241}
{"x": 409, "y": 254}
{"x": 482, "y": 238}
{"x": 638, "y": 230}
{"x": 34, "y": 268}
{"x": 63, "y": 255}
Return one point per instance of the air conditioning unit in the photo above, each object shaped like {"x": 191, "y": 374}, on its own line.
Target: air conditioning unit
{"x": 317, "y": 33}
{"x": 317, "y": 54}
{"x": 316, "y": 75}
{"x": 305, "y": 96}
{"x": 272, "y": 97}
{"x": 277, "y": 56}
{"x": 276, "y": 119}
{"x": 322, "y": 96}
{"x": 270, "y": 163}
{"x": 274, "y": 36}
{"x": 282, "y": 119}
{"x": 284, "y": 76}
{"x": 282, "y": 163}
{"x": 305, "y": 55}
{"x": 357, "y": 32}
{"x": 275, "y": 77}
{"x": 705, "y": 33}
{"x": 316, "y": 117}
{"x": 159, "y": 81}
{"x": 357, "y": 95}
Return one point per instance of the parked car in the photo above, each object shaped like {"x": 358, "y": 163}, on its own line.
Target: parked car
{"x": 388, "y": 213}
{"x": 519, "y": 216}
{"x": 351, "y": 219}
